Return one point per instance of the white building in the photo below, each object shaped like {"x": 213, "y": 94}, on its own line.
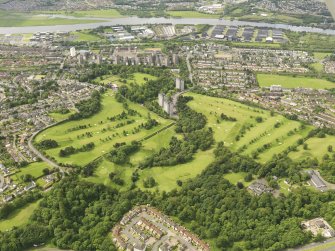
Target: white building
{"x": 73, "y": 52}
{"x": 180, "y": 85}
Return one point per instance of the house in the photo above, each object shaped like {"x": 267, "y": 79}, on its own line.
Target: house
{"x": 30, "y": 186}
{"x": 8, "y": 198}
{"x": 319, "y": 226}
{"x": 139, "y": 247}
{"x": 316, "y": 180}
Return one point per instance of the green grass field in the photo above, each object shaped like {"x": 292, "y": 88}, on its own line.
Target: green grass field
{"x": 266, "y": 80}
{"x": 59, "y": 116}
{"x": 10, "y": 19}
{"x": 191, "y": 14}
{"x": 86, "y": 36}
{"x": 166, "y": 177}
{"x": 111, "y": 13}
{"x": 105, "y": 168}
{"x": 237, "y": 177}
{"x": 18, "y": 217}
{"x": 35, "y": 169}
{"x": 255, "y": 137}
{"x": 317, "y": 147}
{"x": 100, "y": 129}
{"x": 138, "y": 78}
{"x": 256, "y": 44}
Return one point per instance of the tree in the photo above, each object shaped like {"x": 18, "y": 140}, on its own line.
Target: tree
{"x": 240, "y": 185}
{"x": 330, "y": 148}
{"x": 46, "y": 171}
{"x": 149, "y": 182}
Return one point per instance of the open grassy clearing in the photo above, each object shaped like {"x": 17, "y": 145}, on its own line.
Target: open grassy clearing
{"x": 272, "y": 18}
{"x": 86, "y": 36}
{"x": 317, "y": 147}
{"x": 321, "y": 55}
{"x": 110, "y": 13}
{"x": 191, "y": 14}
{"x": 138, "y": 78}
{"x": 105, "y": 168}
{"x": 99, "y": 130}
{"x": 266, "y": 80}
{"x": 234, "y": 178}
{"x": 10, "y": 19}
{"x": 166, "y": 177}
{"x": 35, "y": 169}
{"x": 254, "y": 137}
{"x": 256, "y": 44}
{"x": 18, "y": 217}
{"x": 59, "y": 116}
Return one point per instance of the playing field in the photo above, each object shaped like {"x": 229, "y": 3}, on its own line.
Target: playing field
{"x": 99, "y": 130}
{"x": 10, "y": 19}
{"x": 317, "y": 148}
{"x": 266, "y": 80}
{"x": 18, "y": 217}
{"x": 255, "y": 135}
{"x": 191, "y": 14}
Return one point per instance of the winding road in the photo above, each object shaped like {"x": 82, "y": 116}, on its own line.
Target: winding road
{"x": 40, "y": 155}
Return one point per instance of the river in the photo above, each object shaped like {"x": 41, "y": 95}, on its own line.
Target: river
{"x": 142, "y": 21}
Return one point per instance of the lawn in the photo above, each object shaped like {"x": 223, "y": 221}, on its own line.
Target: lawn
{"x": 138, "y": 78}
{"x": 86, "y": 36}
{"x": 110, "y": 13}
{"x": 100, "y": 130}
{"x": 166, "y": 177}
{"x": 317, "y": 147}
{"x": 256, "y": 44}
{"x": 35, "y": 169}
{"x": 234, "y": 178}
{"x": 321, "y": 55}
{"x": 191, "y": 14}
{"x": 254, "y": 137}
{"x": 101, "y": 175}
{"x": 59, "y": 116}
{"x": 266, "y": 80}
{"x": 10, "y": 19}
{"x": 18, "y": 217}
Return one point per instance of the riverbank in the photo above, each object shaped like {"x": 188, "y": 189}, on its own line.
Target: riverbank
{"x": 97, "y": 22}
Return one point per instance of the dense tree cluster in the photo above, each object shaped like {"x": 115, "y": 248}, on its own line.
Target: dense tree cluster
{"x": 148, "y": 91}
{"x": 87, "y": 108}
{"x": 121, "y": 152}
{"x": 67, "y": 151}
{"x": 327, "y": 168}
{"x": 180, "y": 151}
{"x": 189, "y": 120}
{"x": 47, "y": 144}
{"x": 227, "y": 118}
{"x": 24, "y": 237}
{"x": 80, "y": 215}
